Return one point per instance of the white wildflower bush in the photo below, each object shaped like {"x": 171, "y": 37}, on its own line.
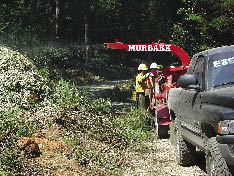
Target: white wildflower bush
{"x": 20, "y": 82}
{"x": 21, "y": 88}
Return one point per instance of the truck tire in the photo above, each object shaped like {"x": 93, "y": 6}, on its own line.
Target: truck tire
{"x": 161, "y": 130}
{"x": 215, "y": 163}
{"x": 185, "y": 152}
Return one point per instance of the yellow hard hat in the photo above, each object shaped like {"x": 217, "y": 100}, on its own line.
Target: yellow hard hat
{"x": 154, "y": 65}
{"x": 142, "y": 67}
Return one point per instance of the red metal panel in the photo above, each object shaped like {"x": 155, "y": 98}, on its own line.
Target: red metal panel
{"x": 162, "y": 112}
{"x": 158, "y": 47}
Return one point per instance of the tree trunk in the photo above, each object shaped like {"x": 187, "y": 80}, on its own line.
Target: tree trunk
{"x": 59, "y": 18}
{"x": 96, "y": 31}
{"x": 124, "y": 30}
{"x": 86, "y": 10}
{"x": 124, "y": 27}
{"x": 86, "y": 36}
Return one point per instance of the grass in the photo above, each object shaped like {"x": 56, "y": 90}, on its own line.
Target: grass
{"x": 13, "y": 126}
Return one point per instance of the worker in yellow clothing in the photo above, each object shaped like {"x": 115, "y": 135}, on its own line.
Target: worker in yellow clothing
{"x": 141, "y": 85}
{"x": 153, "y": 73}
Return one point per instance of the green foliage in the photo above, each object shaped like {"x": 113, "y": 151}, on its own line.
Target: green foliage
{"x": 136, "y": 126}
{"x": 68, "y": 97}
{"x": 203, "y": 24}
{"x": 12, "y": 123}
{"x": 44, "y": 72}
{"x": 99, "y": 106}
{"x": 6, "y": 162}
{"x": 12, "y": 126}
{"x": 65, "y": 95}
{"x": 25, "y": 17}
{"x": 195, "y": 17}
{"x": 54, "y": 55}
{"x": 121, "y": 92}
{"x": 99, "y": 54}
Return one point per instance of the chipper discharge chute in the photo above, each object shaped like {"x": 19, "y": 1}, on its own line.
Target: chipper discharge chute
{"x": 160, "y": 84}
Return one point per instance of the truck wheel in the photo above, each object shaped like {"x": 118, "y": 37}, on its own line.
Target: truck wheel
{"x": 215, "y": 163}
{"x": 161, "y": 130}
{"x": 185, "y": 152}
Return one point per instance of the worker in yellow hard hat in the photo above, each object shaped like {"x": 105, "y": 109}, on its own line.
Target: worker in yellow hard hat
{"x": 156, "y": 74}
{"x": 154, "y": 67}
{"x": 153, "y": 73}
{"x": 141, "y": 85}
{"x": 152, "y": 84}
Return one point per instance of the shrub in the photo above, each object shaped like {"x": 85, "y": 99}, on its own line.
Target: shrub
{"x": 20, "y": 82}
{"x": 12, "y": 126}
{"x": 99, "y": 106}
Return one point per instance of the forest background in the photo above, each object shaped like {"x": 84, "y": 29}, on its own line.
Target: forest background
{"x": 51, "y": 49}
{"x": 193, "y": 25}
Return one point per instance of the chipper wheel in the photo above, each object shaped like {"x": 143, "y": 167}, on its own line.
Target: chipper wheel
{"x": 161, "y": 130}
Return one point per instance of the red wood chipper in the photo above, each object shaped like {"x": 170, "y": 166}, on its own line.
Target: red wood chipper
{"x": 158, "y": 93}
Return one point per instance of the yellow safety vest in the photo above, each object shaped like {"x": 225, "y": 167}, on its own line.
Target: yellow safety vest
{"x": 141, "y": 84}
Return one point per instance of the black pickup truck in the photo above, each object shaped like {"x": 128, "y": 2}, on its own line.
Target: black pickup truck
{"x": 202, "y": 111}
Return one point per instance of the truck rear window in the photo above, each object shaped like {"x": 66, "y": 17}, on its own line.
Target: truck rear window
{"x": 221, "y": 69}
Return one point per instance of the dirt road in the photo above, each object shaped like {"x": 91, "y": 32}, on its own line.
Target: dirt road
{"x": 158, "y": 159}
